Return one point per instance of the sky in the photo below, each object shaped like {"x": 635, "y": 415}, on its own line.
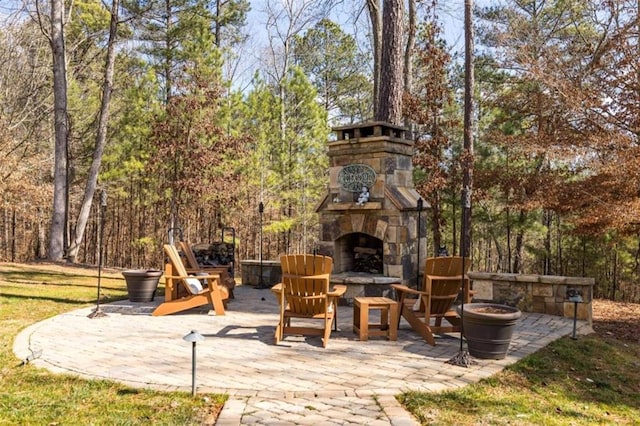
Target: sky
{"x": 450, "y": 13}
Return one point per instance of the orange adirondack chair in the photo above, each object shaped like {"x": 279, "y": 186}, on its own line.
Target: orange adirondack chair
{"x": 304, "y": 294}
{"x": 196, "y": 294}
{"x": 193, "y": 266}
{"x": 425, "y": 309}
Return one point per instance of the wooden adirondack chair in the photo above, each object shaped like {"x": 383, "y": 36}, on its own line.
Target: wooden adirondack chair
{"x": 193, "y": 266}
{"x": 195, "y": 294}
{"x": 304, "y": 294}
{"x": 425, "y": 309}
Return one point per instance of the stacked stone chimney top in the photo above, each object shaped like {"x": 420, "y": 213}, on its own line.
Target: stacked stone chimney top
{"x": 374, "y": 155}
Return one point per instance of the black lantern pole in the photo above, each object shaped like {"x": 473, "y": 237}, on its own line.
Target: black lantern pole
{"x": 462, "y": 359}
{"x": 261, "y": 211}
{"x": 420, "y": 206}
{"x": 466, "y": 205}
{"x": 98, "y": 312}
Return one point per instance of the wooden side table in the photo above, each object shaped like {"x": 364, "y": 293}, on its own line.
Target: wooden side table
{"x": 388, "y": 326}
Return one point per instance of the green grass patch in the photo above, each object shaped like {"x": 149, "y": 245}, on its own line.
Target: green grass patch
{"x": 29, "y": 395}
{"x": 570, "y": 382}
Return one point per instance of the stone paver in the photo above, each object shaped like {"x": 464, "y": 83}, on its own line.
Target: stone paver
{"x": 295, "y": 382}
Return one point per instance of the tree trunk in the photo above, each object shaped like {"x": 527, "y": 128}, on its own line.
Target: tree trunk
{"x": 517, "y": 259}
{"x": 168, "y": 60}
{"x": 467, "y": 156}
{"x": 560, "y": 268}
{"x": 408, "y": 53}
{"x": 614, "y": 278}
{"x": 547, "y": 222}
{"x": 436, "y": 220}
{"x": 101, "y": 137}
{"x": 392, "y": 66}
{"x": 508, "y": 231}
{"x": 57, "y": 227}
{"x": 218, "y": 18}
{"x": 375, "y": 15}
{"x": 41, "y": 244}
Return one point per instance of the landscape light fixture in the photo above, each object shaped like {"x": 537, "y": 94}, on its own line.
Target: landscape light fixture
{"x": 575, "y": 297}
{"x": 193, "y": 337}
{"x": 98, "y": 312}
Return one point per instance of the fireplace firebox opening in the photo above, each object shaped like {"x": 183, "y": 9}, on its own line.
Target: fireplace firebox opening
{"x": 358, "y": 252}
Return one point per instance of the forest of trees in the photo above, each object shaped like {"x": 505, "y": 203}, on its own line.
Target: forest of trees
{"x": 187, "y": 114}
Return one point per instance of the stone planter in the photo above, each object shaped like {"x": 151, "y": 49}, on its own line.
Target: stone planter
{"x": 488, "y": 328}
{"x": 142, "y": 284}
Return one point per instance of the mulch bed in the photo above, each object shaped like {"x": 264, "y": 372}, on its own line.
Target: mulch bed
{"x": 617, "y": 319}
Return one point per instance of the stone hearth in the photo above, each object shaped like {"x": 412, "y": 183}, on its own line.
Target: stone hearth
{"x": 375, "y": 155}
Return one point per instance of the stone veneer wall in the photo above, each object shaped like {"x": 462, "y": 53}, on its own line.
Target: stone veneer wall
{"x": 397, "y": 230}
{"x": 251, "y": 270}
{"x": 546, "y": 294}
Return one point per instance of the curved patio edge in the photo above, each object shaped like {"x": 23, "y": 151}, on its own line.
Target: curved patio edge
{"x": 238, "y": 356}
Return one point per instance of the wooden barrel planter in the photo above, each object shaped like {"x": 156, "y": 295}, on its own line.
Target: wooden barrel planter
{"x": 142, "y": 284}
{"x": 488, "y": 328}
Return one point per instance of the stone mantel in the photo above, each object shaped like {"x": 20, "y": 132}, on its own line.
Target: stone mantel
{"x": 545, "y": 294}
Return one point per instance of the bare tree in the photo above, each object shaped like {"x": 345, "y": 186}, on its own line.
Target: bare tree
{"x": 285, "y": 20}
{"x": 101, "y": 136}
{"x": 59, "y": 213}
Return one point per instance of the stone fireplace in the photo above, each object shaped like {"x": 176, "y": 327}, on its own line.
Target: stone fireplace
{"x": 374, "y": 241}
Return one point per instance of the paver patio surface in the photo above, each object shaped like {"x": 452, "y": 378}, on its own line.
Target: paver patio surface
{"x": 296, "y": 382}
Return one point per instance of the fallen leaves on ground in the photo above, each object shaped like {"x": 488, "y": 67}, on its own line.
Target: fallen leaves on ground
{"x": 617, "y": 319}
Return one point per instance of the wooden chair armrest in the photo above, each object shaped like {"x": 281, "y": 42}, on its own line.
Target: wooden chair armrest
{"x": 276, "y": 289}
{"x": 175, "y": 277}
{"x": 198, "y": 277}
{"x": 338, "y": 290}
{"x": 404, "y": 289}
{"x": 446, "y": 278}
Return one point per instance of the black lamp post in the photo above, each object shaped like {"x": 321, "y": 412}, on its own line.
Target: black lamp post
{"x": 103, "y": 206}
{"x": 420, "y": 206}
{"x": 261, "y": 279}
{"x": 462, "y": 359}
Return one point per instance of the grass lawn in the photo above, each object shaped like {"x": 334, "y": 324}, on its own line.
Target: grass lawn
{"x": 32, "y": 292}
{"x": 594, "y": 380}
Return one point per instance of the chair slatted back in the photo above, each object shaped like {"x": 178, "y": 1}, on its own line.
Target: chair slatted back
{"x": 445, "y": 266}
{"x": 303, "y": 295}
{"x": 444, "y": 291}
{"x": 189, "y": 255}
{"x": 175, "y": 259}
